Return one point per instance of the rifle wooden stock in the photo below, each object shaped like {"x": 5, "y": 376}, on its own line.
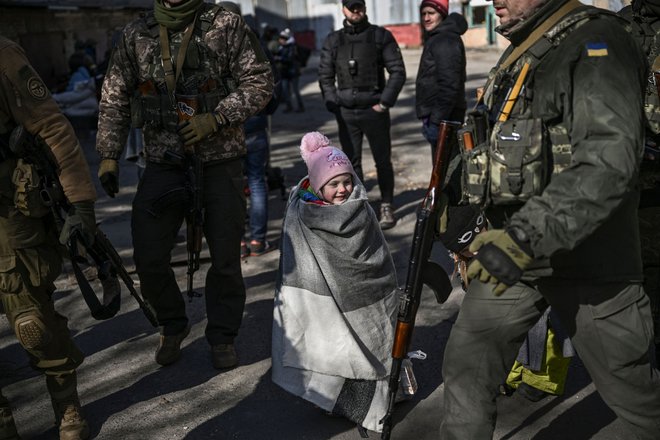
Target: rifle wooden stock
{"x": 423, "y": 237}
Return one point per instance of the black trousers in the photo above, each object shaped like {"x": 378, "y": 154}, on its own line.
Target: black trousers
{"x": 354, "y": 124}
{"x": 224, "y": 224}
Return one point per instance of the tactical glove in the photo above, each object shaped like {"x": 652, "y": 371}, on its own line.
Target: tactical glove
{"x": 501, "y": 259}
{"x": 80, "y": 220}
{"x": 200, "y": 127}
{"x": 332, "y": 107}
{"x": 109, "y": 176}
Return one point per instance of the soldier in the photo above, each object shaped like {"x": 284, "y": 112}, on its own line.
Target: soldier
{"x": 556, "y": 173}
{"x": 189, "y": 73}
{"x": 30, "y": 252}
{"x": 352, "y": 79}
{"x": 644, "y": 17}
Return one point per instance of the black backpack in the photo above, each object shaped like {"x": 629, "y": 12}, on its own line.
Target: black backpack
{"x": 302, "y": 55}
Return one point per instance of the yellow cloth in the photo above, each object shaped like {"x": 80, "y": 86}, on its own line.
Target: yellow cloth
{"x": 551, "y": 378}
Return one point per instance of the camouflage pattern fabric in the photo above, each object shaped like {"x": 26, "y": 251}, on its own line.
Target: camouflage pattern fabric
{"x": 226, "y": 50}
{"x": 25, "y": 99}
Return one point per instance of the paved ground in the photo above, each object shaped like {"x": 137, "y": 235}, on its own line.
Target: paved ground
{"x": 127, "y": 396}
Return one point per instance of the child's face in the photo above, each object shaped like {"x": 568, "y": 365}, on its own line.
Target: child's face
{"x": 337, "y": 190}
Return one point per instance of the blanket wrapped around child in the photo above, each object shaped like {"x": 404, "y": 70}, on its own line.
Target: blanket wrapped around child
{"x": 335, "y": 308}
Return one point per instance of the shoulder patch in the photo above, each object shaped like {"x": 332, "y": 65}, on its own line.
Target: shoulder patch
{"x": 34, "y": 86}
{"x": 596, "y": 49}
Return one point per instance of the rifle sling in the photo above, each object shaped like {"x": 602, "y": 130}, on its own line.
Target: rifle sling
{"x": 171, "y": 77}
{"x": 99, "y": 311}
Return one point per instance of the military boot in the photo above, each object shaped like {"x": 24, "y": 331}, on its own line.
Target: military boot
{"x": 7, "y": 426}
{"x": 387, "y": 219}
{"x": 66, "y": 404}
{"x": 223, "y": 356}
{"x": 169, "y": 347}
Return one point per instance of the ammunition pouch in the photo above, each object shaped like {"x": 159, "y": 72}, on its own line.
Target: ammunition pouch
{"x": 517, "y": 165}
{"x": 475, "y": 157}
{"x": 27, "y": 195}
{"x": 511, "y": 168}
{"x": 157, "y": 109}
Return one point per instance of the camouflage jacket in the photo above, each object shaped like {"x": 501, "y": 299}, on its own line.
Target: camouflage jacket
{"x": 25, "y": 100}
{"x": 226, "y": 49}
{"x": 585, "y": 93}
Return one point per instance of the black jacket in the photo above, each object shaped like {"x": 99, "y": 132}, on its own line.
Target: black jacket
{"x": 440, "y": 85}
{"x": 389, "y": 58}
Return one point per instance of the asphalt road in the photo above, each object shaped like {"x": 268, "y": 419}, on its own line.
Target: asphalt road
{"x": 126, "y": 395}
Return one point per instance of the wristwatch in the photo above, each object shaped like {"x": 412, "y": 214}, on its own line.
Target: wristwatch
{"x": 382, "y": 106}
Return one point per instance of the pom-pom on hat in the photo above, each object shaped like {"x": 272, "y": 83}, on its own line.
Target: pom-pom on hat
{"x": 442, "y": 6}
{"x": 323, "y": 160}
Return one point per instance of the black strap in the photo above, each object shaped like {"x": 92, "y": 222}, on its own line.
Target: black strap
{"x": 99, "y": 311}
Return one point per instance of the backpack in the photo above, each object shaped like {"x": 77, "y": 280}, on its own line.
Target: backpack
{"x": 302, "y": 55}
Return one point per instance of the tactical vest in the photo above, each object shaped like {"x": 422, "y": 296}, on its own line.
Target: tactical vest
{"x": 200, "y": 87}
{"x": 646, "y": 30}
{"x": 511, "y": 159}
{"x": 357, "y": 64}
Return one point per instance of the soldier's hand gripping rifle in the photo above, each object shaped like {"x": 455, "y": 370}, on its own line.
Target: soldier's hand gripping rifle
{"x": 420, "y": 269}
{"x": 33, "y": 150}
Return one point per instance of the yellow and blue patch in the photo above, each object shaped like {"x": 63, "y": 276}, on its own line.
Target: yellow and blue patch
{"x": 596, "y": 49}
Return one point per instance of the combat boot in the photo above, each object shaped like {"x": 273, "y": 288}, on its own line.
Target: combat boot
{"x": 66, "y": 405}
{"x": 7, "y": 425}
{"x": 223, "y": 356}
{"x": 387, "y": 219}
{"x": 169, "y": 347}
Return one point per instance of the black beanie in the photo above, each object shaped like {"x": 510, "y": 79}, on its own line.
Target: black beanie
{"x": 463, "y": 224}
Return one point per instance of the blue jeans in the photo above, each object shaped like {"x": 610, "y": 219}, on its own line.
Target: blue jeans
{"x": 255, "y": 167}
{"x": 430, "y": 132}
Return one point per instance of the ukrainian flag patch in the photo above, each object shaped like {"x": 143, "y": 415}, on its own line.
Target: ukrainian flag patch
{"x": 596, "y": 49}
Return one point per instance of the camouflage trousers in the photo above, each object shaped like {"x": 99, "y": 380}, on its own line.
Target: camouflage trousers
{"x": 30, "y": 260}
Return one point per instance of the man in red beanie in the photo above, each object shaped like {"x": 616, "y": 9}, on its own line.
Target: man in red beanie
{"x": 442, "y": 6}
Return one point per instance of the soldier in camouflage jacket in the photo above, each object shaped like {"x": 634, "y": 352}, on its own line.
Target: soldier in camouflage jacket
{"x": 188, "y": 73}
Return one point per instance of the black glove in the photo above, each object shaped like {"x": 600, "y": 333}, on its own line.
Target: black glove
{"x": 109, "y": 176}
{"x": 81, "y": 220}
{"x": 332, "y": 107}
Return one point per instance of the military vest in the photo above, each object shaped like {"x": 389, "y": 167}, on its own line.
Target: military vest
{"x": 357, "y": 63}
{"x": 511, "y": 153}
{"x": 199, "y": 89}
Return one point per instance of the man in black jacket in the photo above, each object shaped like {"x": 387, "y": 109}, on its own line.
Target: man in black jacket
{"x": 352, "y": 79}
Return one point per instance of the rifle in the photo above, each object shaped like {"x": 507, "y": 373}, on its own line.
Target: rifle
{"x": 194, "y": 196}
{"x": 33, "y": 150}
{"x": 420, "y": 268}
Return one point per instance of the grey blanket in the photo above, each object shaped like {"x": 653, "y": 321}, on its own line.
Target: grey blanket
{"x": 335, "y": 308}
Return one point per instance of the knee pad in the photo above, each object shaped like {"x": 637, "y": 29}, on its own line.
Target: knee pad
{"x": 31, "y": 331}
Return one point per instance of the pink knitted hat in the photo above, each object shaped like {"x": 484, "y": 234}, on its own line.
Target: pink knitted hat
{"x": 323, "y": 160}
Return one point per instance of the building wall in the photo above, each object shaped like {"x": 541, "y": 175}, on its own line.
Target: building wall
{"x": 49, "y": 36}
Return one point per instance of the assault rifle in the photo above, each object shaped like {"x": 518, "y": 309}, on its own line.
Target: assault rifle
{"x": 108, "y": 262}
{"x": 420, "y": 269}
{"x": 193, "y": 195}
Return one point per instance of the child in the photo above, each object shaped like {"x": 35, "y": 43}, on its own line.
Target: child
{"x": 335, "y": 300}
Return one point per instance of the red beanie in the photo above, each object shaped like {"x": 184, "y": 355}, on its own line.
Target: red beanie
{"x": 442, "y": 6}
